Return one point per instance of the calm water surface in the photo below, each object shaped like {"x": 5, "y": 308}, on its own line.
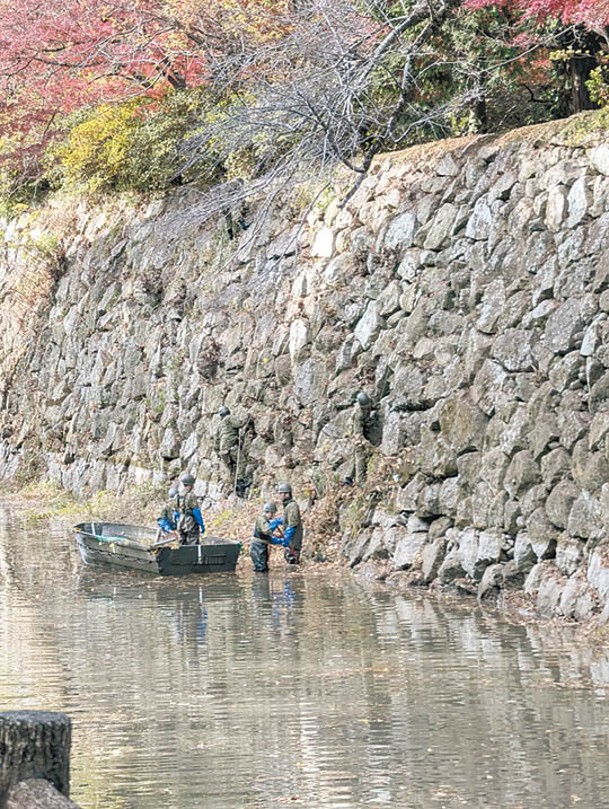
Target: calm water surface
{"x": 294, "y": 689}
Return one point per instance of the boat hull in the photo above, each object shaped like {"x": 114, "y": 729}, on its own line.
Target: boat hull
{"x": 129, "y": 546}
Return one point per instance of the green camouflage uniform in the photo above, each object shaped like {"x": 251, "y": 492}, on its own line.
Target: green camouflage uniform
{"x": 188, "y": 529}
{"x": 259, "y": 546}
{"x": 226, "y": 442}
{"x": 361, "y": 447}
{"x": 292, "y": 518}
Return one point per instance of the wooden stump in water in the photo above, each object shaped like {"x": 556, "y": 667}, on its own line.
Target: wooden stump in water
{"x": 34, "y": 745}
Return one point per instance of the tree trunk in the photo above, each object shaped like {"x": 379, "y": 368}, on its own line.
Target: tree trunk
{"x": 580, "y": 68}
{"x": 34, "y": 744}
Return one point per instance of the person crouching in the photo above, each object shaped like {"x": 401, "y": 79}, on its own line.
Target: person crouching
{"x": 265, "y": 528}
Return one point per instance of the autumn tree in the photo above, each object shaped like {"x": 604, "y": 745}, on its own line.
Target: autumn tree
{"x": 575, "y": 33}
{"x": 59, "y": 56}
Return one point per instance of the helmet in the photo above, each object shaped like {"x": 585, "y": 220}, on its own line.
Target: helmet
{"x": 363, "y": 399}
{"x": 172, "y": 492}
{"x": 223, "y": 411}
{"x": 270, "y": 506}
{"x": 187, "y": 480}
{"x": 284, "y": 487}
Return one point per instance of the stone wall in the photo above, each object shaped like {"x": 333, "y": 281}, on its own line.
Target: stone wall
{"x": 464, "y": 287}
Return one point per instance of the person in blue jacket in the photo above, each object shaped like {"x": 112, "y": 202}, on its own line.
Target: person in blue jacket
{"x": 187, "y": 515}
{"x": 168, "y": 518}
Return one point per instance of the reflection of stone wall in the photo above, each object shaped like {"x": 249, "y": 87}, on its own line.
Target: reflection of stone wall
{"x": 465, "y": 286}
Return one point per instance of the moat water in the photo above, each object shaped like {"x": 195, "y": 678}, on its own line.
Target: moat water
{"x": 301, "y": 689}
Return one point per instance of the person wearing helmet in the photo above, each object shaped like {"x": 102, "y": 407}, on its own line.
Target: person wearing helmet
{"x": 292, "y": 524}
{"x": 361, "y": 433}
{"x": 189, "y": 520}
{"x": 362, "y": 415}
{"x": 265, "y": 528}
{"x": 226, "y": 441}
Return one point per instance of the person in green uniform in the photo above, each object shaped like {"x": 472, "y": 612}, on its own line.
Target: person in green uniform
{"x": 361, "y": 433}
{"x": 167, "y": 519}
{"x": 231, "y": 441}
{"x": 292, "y": 524}
{"x": 264, "y": 535}
{"x": 226, "y": 442}
{"x": 189, "y": 520}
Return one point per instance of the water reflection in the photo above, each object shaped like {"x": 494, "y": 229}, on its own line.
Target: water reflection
{"x": 294, "y": 688}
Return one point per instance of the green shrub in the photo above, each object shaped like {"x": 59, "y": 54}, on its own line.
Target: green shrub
{"x": 130, "y": 146}
{"x": 95, "y": 153}
{"x": 598, "y": 84}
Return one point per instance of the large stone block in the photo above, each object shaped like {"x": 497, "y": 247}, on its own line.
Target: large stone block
{"x": 568, "y": 322}
{"x": 559, "y": 502}
{"x": 482, "y": 221}
{"x": 462, "y": 423}
{"x": 376, "y": 549}
{"x": 467, "y": 550}
{"x": 585, "y": 518}
{"x": 566, "y": 371}
{"x": 556, "y": 207}
{"x": 579, "y": 201}
{"x": 569, "y": 554}
{"x": 438, "y": 458}
{"x": 323, "y": 243}
{"x": 599, "y": 395}
{"x": 599, "y": 429}
{"x": 599, "y": 157}
{"x": 408, "y": 549}
{"x": 429, "y": 505}
{"x": 369, "y": 326}
{"x": 544, "y": 435}
{"x": 493, "y": 465}
{"x": 435, "y": 234}
{"x": 490, "y": 549}
{"x": 579, "y": 600}
{"x": 311, "y": 380}
{"x": 573, "y": 424}
{"x": 393, "y": 434}
{"x": 552, "y": 584}
{"x": 401, "y": 230}
{"x": 513, "y": 349}
{"x": 354, "y": 547}
{"x": 450, "y": 569}
{"x": 488, "y": 506}
{"x": 531, "y": 499}
{"x": 488, "y": 387}
{"x": 406, "y": 497}
{"x": 300, "y": 338}
{"x": 525, "y": 557}
{"x": 598, "y": 569}
{"x": 493, "y": 301}
{"x": 589, "y": 469}
{"x": 432, "y": 557}
{"x": 542, "y": 534}
{"x": 522, "y": 473}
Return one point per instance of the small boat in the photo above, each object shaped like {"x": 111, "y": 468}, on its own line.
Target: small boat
{"x": 136, "y": 546}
